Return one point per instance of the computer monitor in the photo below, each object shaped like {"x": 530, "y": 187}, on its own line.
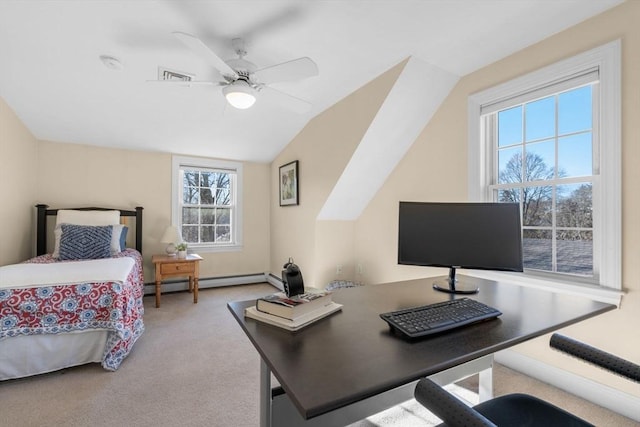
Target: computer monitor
{"x": 484, "y": 236}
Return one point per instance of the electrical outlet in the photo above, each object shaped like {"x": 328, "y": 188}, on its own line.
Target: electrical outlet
{"x": 339, "y": 269}
{"x": 359, "y": 269}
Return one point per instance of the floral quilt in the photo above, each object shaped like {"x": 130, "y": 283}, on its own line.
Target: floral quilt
{"x": 110, "y": 306}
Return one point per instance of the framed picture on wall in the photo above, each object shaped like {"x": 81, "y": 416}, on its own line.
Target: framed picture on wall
{"x": 289, "y": 184}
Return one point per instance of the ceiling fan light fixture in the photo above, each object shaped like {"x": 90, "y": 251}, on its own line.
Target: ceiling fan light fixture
{"x": 240, "y": 94}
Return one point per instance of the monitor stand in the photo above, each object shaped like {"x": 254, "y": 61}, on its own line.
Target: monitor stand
{"x": 452, "y": 285}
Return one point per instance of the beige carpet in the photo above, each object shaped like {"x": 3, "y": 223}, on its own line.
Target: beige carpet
{"x": 194, "y": 367}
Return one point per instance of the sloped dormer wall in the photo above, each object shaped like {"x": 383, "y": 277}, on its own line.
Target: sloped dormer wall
{"x": 323, "y": 149}
{"x": 345, "y": 156}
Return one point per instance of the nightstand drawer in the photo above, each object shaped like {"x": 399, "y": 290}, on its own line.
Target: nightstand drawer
{"x": 177, "y": 267}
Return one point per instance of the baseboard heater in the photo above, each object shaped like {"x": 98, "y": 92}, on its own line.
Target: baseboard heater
{"x": 214, "y": 282}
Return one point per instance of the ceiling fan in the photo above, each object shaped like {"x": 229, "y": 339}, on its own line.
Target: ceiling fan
{"x": 243, "y": 82}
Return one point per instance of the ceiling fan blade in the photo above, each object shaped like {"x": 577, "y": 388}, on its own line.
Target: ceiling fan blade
{"x": 188, "y": 82}
{"x": 296, "y": 69}
{"x": 196, "y": 45}
{"x": 287, "y": 101}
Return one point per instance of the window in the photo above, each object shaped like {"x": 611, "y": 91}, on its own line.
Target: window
{"x": 207, "y": 203}
{"x": 543, "y": 156}
{"x": 550, "y": 141}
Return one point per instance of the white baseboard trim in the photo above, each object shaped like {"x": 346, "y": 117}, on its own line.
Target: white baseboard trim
{"x": 211, "y": 282}
{"x": 600, "y": 394}
{"x": 275, "y": 281}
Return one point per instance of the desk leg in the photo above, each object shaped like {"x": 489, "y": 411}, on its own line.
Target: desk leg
{"x": 482, "y": 366}
{"x": 157, "y": 293}
{"x": 485, "y": 384}
{"x": 265, "y": 394}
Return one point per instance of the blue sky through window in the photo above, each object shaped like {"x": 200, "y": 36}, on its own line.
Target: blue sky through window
{"x": 510, "y": 126}
{"x": 535, "y": 124}
{"x": 540, "y": 119}
{"x": 574, "y": 111}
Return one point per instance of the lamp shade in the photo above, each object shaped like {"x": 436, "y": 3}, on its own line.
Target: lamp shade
{"x": 240, "y": 94}
{"x": 171, "y": 235}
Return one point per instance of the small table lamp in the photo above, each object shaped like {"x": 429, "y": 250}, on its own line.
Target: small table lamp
{"x": 171, "y": 236}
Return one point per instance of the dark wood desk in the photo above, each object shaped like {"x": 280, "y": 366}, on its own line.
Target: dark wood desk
{"x": 352, "y": 356}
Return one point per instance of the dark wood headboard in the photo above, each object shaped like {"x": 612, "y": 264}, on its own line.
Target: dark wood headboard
{"x": 43, "y": 213}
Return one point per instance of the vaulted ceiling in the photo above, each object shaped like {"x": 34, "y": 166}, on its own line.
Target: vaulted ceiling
{"x": 52, "y": 77}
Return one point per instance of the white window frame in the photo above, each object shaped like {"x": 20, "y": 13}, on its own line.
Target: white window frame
{"x": 606, "y": 60}
{"x": 179, "y": 162}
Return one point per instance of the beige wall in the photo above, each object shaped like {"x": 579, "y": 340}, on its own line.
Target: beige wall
{"x": 323, "y": 149}
{"x": 435, "y": 169}
{"x": 72, "y": 175}
{"x": 18, "y": 172}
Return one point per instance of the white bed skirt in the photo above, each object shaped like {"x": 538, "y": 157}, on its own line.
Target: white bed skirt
{"x": 24, "y": 356}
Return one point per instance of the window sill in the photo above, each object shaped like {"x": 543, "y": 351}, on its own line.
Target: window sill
{"x": 596, "y": 293}
{"x": 210, "y": 249}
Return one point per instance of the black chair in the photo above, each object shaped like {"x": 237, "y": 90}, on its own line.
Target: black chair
{"x": 519, "y": 409}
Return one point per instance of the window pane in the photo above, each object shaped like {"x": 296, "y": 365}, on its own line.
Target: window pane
{"x": 206, "y": 198}
{"x": 575, "y": 156}
{"x": 536, "y": 247}
{"x": 207, "y": 179}
{"x": 206, "y": 233}
{"x": 223, "y": 217}
{"x": 223, "y": 197}
{"x": 190, "y": 215}
{"x": 191, "y": 178}
{"x": 190, "y": 195}
{"x": 574, "y": 110}
{"x": 509, "y": 196}
{"x": 207, "y": 216}
{"x": 510, "y": 126}
{"x": 190, "y": 233}
{"x": 223, "y": 180}
{"x": 575, "y": 252}
{"x": 536, "y": 206}
{"x": 540, "y": 161}
{"x": 223, "y": 234}
{"x": 510, "y": 165}
{"x": 574, "y": 206}
{"x": 540, "y": 117}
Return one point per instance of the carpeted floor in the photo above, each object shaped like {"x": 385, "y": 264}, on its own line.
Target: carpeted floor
{"x": 195, "y": 367}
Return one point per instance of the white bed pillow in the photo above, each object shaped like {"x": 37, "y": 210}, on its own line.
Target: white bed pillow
{"x": 116, "y": 238}
{"x": 95, "y": 218}
{"x": 69, "y": 216}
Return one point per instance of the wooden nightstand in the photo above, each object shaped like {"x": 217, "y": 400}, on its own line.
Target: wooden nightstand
{"x": 172, "y": 266}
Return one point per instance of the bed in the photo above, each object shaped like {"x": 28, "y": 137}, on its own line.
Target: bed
{"x": 80, "y": 299}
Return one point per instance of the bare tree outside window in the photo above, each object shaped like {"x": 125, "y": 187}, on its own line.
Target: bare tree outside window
{"x": 207, "y": 201}
{"x": 568, "y": 227}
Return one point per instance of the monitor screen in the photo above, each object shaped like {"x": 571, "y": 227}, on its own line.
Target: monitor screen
{"x": 485, "y": 236}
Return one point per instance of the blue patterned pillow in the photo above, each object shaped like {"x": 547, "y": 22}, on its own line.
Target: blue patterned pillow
{"x": 85, "y": 241}
{"x": 123, "y": 238}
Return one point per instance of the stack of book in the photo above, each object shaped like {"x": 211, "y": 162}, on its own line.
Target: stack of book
{"x": 293, "y": 313}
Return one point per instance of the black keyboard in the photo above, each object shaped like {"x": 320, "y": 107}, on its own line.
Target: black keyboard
{"x": 435, "y": 318}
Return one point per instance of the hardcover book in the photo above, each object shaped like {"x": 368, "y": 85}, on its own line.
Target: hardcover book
{"x": 293, "y": 307}
{"x": 296, "y": 324}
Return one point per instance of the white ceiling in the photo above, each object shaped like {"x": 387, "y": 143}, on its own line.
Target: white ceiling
{"x": 51, "y": 75}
